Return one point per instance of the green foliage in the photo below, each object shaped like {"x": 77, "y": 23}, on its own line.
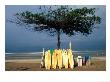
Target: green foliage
{"x": 61, "y": 19}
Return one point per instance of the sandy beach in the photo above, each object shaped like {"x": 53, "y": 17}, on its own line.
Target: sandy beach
{"x": 97, "y": 64}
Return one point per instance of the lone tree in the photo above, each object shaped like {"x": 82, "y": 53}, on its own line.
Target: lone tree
{"x": 59, "y": 19}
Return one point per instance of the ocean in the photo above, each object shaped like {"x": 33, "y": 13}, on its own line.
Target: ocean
{"x": 38, "y": 55}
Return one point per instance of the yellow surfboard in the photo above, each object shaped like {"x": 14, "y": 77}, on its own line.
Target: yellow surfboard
{"x": 59, "y": 56}
{"x": 54, "y": 60}
{"x": 65, "y": 59}
{"x": 70, "y": 59}
{"x": 47, "y": 59}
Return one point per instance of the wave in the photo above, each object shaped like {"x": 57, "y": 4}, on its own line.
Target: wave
{"x": 99, "y": 51}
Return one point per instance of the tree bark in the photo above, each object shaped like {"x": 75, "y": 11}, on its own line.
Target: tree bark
{"x": 58, "y": 38}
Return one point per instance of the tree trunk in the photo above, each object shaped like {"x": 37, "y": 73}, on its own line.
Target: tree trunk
{"x": 58, "y": 38}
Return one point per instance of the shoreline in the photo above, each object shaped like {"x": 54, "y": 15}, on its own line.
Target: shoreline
{"x": 38, "y": 60}
{"x": 97, "y": 64}
{"x": 23, "y": 60}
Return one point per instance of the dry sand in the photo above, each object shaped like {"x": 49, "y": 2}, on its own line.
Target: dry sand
{"x": 97, "y": 64}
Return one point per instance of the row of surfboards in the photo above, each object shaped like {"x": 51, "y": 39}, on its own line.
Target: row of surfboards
{"x": 57, "y": 58}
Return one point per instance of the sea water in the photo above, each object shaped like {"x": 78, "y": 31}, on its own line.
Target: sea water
{"x": 38, "y": 55}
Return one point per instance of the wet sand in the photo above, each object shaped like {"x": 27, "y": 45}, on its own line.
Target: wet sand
{"x": 34, "y": 65}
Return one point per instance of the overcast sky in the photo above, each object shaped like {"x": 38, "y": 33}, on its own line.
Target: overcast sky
{"x": 18, "y": 39}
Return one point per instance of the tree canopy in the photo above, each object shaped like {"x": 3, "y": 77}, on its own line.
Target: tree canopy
{"x": 61, "y": 19}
